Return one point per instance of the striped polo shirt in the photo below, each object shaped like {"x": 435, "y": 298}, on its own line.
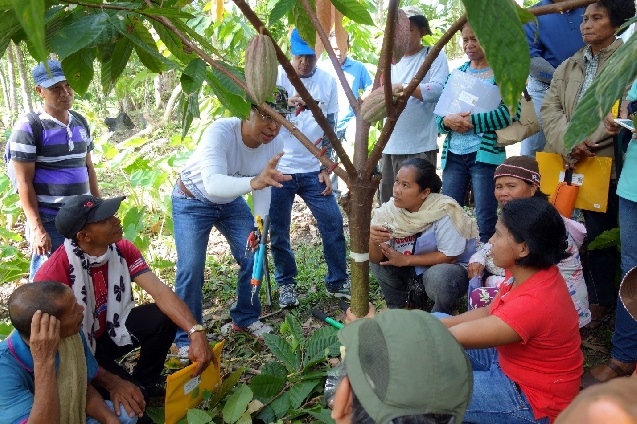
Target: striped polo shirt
{"x": 60, "y": 161}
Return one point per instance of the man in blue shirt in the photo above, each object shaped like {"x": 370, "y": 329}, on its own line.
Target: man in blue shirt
{"x": 359, "y": 81}
{"x": 558, "y": 38}
{"x": 47, "y": 322}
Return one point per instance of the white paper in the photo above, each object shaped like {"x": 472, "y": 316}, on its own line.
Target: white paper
{"x": 466, "y": 93}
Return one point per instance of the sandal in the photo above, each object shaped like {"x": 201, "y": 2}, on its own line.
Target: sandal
{"x": 600, "y": 315}
{"x": 588, "y": 379}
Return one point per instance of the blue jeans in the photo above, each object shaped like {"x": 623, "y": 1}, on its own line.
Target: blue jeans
{"x": 193, "y": 220}
{"x": 530, "y": 146}
{"x": 459, "y": 170}
{"x": 496, "y": 398}
{"x": 123, "y": 417}
{"x": 57, "y": 239}
{"x": 625, "y": 336}
{"x": 328, "y": 219}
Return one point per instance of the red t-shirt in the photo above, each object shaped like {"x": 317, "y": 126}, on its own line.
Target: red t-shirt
{"x": 56, "y": 268}
{"x": 547, "y": 363}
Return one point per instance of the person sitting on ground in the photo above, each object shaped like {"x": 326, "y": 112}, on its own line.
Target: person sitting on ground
{"x": 99, "y": 265}
{"x": 525, "y": 346}
{"x": 421, "y": 232}
{"x": 400, "y": 367}
{"x": 47, "y": 370}
{"x": 518, "y": 177}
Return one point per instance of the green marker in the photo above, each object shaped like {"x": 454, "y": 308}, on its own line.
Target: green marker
{"x": 323, "y": 317}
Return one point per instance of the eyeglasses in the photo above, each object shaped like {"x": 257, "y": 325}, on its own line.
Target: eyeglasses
{"x": 267, "y": 118}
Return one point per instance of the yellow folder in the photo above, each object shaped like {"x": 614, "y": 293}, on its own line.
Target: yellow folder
{"x": 591, "y": 174}
{"x": 184, "y": 392}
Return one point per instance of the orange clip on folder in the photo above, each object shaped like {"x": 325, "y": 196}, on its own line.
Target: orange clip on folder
{"x": 184, "y": 392}
{"x": 592, "y": 175}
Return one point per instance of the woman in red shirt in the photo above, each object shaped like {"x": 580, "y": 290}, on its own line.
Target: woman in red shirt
{"x": 525, "y": 346}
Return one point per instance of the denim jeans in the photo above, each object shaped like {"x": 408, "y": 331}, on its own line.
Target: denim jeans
{"x": 328, "y": 219}
{"x": 459, "y": 170}
{"x": 530, "y": 146}
{"x": 123, "y": 416}
{"x": 600, "y": 264}
{"x": 496, "y": 398}
{"x": 193, "y": 220}
{"x": 625, "y": 336}
{"x": 444, "y": 284}
{"x": 57, "y": 239}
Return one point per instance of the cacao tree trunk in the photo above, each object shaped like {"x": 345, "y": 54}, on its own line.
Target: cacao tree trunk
{"x": 27, "y": 104}
{"x": 158, "y": 91}
{"x": 13, "y": 98}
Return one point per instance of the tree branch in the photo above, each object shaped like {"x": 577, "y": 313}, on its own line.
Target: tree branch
{"x": 386, "y": 54}
{"x": 305, "y": 95}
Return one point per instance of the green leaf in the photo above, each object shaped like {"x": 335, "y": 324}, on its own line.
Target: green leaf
{"x": 198, "y": 38}
{"x": 293, "y": 398}
{"x": 79, "y": 34}
{"x": 266, "y": 386}
{"x": 30, "y": 13}
{"x": 237, "y": 105}
{"x": 609, "y": 238}
{"x": 113, "y": 68}
{"x": 236, "y": 404}
{"x": 318, "y": 345}
{"x": 354, "y": 10}
{"x": 524, "y": 15}
{"x": 295, "y": 329}
{"x": 158, "y": 415}
{"x": 9, "y": 26}
{"x": 607, "y": 87}
{"x": 280, "y": 9}
{"x": 323, "y": 415}
{"x": 273, "y": 368}
{"x": 506, "y": 49}
{"x": 228, "y": 383}
{"x": 282, "y": 350}
{"x": 193, "y": 76}
{"x": 172, "y": 43}
{"x": 145, "y": 46}
{"x": 303, "y": 23}
{"x": 169, "y": 13}
{"x": 78, "y": 68}
{"x": 197, "y": 416}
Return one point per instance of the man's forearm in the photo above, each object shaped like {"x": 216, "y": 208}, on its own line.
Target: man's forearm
{"x": 29, "y": 202}
{"x": 46, "y": 400}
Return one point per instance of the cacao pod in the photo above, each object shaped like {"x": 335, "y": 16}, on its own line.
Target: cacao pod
{"x": 401, "y": 36}
{"x": 261, "y": 68}
{"x": 373, "y": 107}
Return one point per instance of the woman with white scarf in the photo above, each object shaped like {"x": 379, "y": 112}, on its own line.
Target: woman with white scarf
{"x": 421, "y": 232}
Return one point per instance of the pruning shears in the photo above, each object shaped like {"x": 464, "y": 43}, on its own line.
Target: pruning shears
{"x": 259, "y": 256}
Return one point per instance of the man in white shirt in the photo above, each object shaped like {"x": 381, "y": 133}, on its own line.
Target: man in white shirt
{"x": 415, "y": 133}
{"x": 308, "y": 179}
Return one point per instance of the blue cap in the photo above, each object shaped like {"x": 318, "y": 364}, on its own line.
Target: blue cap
{"x": 298, "y": 46}
{"x": 46, "y": 80}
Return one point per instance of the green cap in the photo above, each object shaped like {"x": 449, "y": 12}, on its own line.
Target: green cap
{"x": 406, "y": 363}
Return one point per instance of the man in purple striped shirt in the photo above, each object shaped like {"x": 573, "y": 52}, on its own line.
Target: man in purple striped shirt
{"x": 52, "y": 166}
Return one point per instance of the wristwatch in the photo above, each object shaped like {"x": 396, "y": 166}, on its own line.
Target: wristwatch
{"x": 195, "y": 328}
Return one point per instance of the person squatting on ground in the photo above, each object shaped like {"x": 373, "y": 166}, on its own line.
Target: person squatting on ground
{"x": 552, "y": 39}
{"x": 399, "y": 367}
{"x": 308, "y": 179}
{"x": 52, "y": 162}
{"x": 234, "y": 157}
{"x": 415, "y": 134}
{"x": 570, "y": 81}
{"x": 470, "y": 152}
{"x": 518, "y": 177}
{"x": 47, "y": 371}
{"x": 421, "y": 232}
{"x": 525, "y": 346}
{"x": 99, "y": 265}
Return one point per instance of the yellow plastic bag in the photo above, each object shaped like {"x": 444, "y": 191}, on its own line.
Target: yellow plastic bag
{"x": 184, "y": 392}
{"x": 592, "y": 175}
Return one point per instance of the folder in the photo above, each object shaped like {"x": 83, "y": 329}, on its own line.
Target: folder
{"x": 591, "y": 174}
{"x": 184, "y": 392}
